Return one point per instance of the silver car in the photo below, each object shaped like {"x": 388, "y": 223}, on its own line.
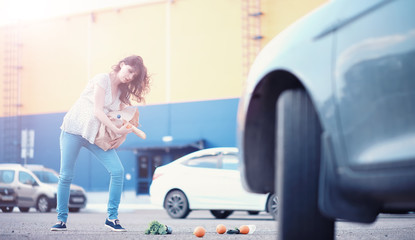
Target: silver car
{"x": 8, "y": 197}
{"x": 327, "y": 118}
{"x": 29, "y": 190}
{"x": 77, "y": 197}
{"x": 35, "y": 190}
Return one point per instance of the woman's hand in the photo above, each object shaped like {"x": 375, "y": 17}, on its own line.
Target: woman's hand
{"x": 124, "y": 129}
{"x": 102, "y": 117}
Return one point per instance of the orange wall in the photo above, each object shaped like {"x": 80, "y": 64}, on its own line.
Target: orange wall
{"x": 59, "y": 55}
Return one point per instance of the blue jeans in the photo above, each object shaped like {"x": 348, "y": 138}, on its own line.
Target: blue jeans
{"x": 70, "y": 145}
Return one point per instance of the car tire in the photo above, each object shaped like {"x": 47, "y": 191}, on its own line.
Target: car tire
{"x": 272, "y": 205}
{"x": 253, "y": 213}
{"x": 74, "y": 209}
{"x": 43, "y": 204}
{"x": 176, "y": 204}
{"x": 298, "y": 164}
{"x": 24, "y": 209}
{"x": 221, "y": 214}
{"x": 7, "y": 209}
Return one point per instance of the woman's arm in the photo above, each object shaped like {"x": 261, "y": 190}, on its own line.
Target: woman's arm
{"x": 136, "y": 119}
{"x": 100, "y": 114}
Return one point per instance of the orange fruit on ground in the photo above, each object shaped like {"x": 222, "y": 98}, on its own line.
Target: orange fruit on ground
{"x": 199, "y": 231}
{"x": 221, "y": 229}
{"x": 244, "y": 229}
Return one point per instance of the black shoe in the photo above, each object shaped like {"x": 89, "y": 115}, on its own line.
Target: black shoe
{"x": 59, "y": 226}
{"x": 114, "y": 225}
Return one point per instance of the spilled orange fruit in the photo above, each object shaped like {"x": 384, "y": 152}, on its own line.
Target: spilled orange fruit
{"x": 199, "y": 231}
{"x": 221, "y": 229}
{"x": 244, "y": 229}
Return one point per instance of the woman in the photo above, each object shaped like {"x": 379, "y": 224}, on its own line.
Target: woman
{"x": 104, "y": 93}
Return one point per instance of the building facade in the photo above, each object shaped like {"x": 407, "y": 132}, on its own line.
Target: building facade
{"x": 197, "y": 52}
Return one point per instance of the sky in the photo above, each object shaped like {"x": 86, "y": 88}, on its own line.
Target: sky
{"x": 13, "y": 11}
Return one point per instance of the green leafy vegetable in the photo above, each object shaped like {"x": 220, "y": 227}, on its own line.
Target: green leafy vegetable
{"x": 156, "y": 228}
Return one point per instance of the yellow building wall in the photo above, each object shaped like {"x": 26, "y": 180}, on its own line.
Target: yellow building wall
{"x": 140, "y": 31}
{"x": 278, "y": 14}
{"x": 206, "y": 50}
{"x": 59, "y": 55}
{"x": 54, "y": 64}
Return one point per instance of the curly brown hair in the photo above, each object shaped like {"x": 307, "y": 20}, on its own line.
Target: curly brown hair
{"x": 139, "y": 86}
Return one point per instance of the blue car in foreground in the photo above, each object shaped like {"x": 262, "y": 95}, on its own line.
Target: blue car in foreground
{"x": 327, "y": 117}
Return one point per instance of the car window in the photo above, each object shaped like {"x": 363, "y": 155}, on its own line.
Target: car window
{"x": 6, "y": 176}
{"x": 230, "y": 161}
{"x": 46, "y": 176}
{"x": 26, "y": 178}
{"x": 203, "y": 162}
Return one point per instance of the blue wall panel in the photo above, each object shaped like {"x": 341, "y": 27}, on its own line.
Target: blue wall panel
{"x": 47, "y": 133}
{"x": 212, "y": 121}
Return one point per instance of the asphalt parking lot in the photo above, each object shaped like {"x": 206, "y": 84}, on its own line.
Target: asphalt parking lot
{"x": 137, "y": 212}
{"x": 90, "y": 225}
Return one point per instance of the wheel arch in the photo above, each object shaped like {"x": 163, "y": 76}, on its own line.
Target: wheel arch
{"x": 49, "y": 200}
{"x": 266, "y": 202}
{"x": 259, "y": 150}
{"x": 176, "y": 189}
{"x": 259, "y": 136}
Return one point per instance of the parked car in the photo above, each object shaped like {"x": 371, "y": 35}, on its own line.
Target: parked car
{"x": 206, "y": 180}
{"x": 77, "y": 197}
{"x": 30, "y": 191}
{"x": 327, "y": 117}
{"x": 8, "y": 197}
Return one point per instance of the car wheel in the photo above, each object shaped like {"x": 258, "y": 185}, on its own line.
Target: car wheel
{"x": 42, "y": 204}
{"x": 272, "y": 205}
{"x": 176, "y": 204}
{"x": 74, "y": 209}
{"x": 7, "y": 209}
{"x": 221, "y": 214}
{"x": 253, "y": 212}
{"x": 298, "y": 164}
{"x": 24, "y": 209}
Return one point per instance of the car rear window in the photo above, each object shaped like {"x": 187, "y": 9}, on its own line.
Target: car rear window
{"x": 203, "y": 162}
{"x": 6, "y": 176}
{"x": 230, "y": 162}
{"x": 46, "y": 176}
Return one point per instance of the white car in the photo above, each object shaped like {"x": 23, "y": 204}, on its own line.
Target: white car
{"x": 208, "y": 179}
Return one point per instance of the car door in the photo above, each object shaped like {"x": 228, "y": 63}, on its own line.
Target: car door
{"x": 236, "y": 196}
{"x": 201, "y": 182}
{"x": 374, "y": 82}
{"x": 26, "y": 189}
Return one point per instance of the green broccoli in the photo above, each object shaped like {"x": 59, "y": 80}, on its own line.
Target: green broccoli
{"x": 156, "y": 228}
